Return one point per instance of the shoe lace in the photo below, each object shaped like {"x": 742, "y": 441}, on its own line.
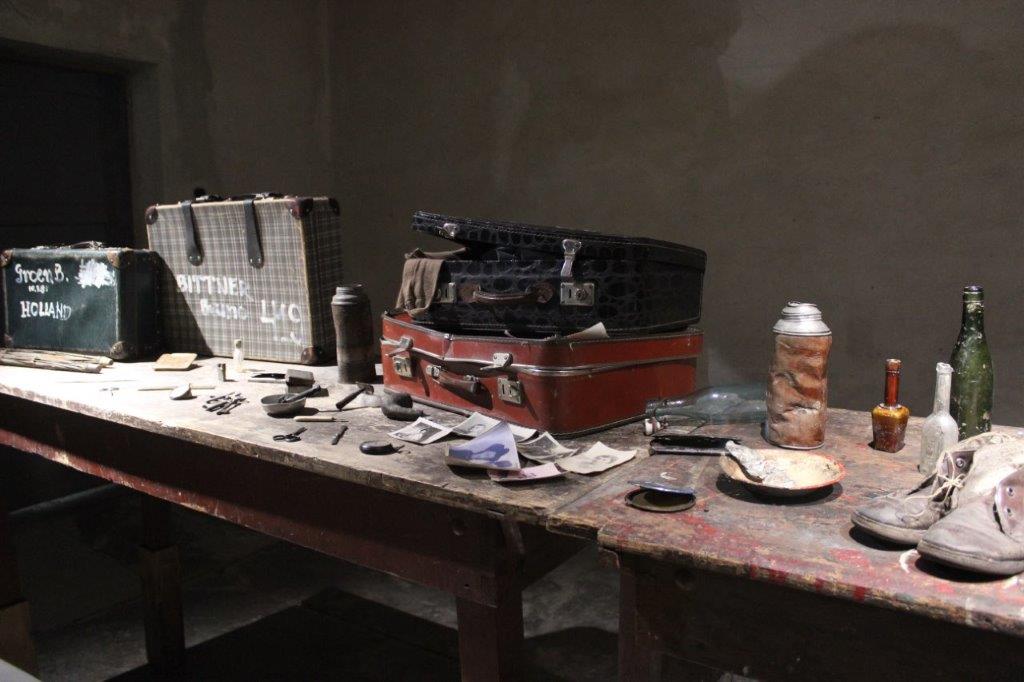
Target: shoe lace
{"x": 947, "y": 485}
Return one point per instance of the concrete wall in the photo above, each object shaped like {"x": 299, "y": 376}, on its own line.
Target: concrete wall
{"x": 865, "y": 156}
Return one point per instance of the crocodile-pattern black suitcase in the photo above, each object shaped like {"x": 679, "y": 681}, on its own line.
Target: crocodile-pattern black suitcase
{"x": 532, "y": 280}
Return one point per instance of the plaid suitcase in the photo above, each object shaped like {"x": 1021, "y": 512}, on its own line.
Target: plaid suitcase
{"x": 261, "y": 268}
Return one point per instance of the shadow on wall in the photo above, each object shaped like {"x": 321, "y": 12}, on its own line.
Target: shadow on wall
{"x": 875, "y": 177}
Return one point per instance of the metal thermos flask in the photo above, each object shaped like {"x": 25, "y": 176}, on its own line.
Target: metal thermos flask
{"x": 797, "y": 394}
{"x": 353, "y": 333}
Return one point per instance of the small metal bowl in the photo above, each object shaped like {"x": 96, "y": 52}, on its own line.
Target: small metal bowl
{"x": 814, "y": 472}
{"x": 273, "y": 406}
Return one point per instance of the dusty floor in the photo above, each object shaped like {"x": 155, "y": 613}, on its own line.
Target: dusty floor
{"x": 256, "y": 608}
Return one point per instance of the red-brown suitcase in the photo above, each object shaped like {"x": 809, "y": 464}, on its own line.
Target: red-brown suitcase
{"x": 568, "y": 387}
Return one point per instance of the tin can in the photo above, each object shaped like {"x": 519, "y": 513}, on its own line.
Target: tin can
{"x": 353, "y": 333}
{"x": 797, "y": 395}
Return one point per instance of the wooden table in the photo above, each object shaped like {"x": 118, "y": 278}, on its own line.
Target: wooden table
{"x": 774, "y": 588}
{"x": 407, "y": 514}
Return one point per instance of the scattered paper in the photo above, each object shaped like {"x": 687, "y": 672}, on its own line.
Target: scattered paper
{"x": 599, "y": 457}
{"x": 476, "y": 424}
{"x": 596, "y": 331}
{"x": 495, "y": 449}
{"x": 536, "y": 473}
{"x": 544, "y": 448}
{"x": 422, "y": 431}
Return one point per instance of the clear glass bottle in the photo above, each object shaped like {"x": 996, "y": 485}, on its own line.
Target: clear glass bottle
{"x": 238, "y": 357}
{"x": 939, "y": 430}
{"x": 889, "y": 418}
{"x": 971, "y": 397}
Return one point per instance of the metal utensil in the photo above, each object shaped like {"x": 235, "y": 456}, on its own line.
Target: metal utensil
{"x": 284, "y": 404}
{"x": 292, "y": 397}
{"x": 362, "y": 388}
{"x": 290, "y": 437}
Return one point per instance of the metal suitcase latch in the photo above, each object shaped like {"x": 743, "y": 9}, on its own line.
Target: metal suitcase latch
{"x": 510, "y": 390}
{"x": 401, "y": 346}
{"x": 402, "y": 365}
{"x": 498, "y": 361}
{"x": 445, "y": 293}
{"x": 569, "y": 249}
{"x": 577, "y": 293}
{"x": 572, "y": 292}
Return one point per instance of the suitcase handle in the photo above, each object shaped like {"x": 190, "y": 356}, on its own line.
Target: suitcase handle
{"x": 540, "y": 292}
{"x": 463, "y": 383}
{"x": 76, "y": 245}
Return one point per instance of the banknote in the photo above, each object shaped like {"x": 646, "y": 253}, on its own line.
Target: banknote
{"x": 421, "y": 432}
{"x": 544, "y": 448}
{"x": 476, "y": 423}
{"x": 494, "y": 449}
{"x": 536, "y": 473}
{"x": 599, "y": 457}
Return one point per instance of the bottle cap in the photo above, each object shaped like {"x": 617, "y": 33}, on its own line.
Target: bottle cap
{"x": 801, "y": 319}
{"x": 974, "y": 292}
{"x": 893, "y": 365}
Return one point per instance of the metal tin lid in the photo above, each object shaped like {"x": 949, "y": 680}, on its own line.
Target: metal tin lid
{"x": 348, "y": 294}
{"x": 801, "y": 319}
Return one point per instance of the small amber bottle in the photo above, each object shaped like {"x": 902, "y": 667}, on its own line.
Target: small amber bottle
{"x": 889, "y": 418}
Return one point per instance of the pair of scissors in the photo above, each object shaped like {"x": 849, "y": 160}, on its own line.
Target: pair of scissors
{"x": 290, "y": 437}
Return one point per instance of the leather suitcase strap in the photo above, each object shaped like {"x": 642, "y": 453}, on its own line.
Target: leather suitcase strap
{"x": 252, "y": 235}
{"x": 253, "y": 247}
{"x": 195, "y": 254}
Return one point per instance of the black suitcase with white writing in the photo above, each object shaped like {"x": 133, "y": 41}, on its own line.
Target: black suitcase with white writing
{"x": 534, "y": 280}
{"x": 260, "y": 268}
{"x": 84, "y": 298}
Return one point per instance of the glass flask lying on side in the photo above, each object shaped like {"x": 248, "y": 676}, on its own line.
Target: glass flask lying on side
{"x": 732, "y": 404}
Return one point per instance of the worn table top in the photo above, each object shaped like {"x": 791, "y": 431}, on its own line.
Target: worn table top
{"x": 417, "y": 471}
{"x": 803, "y": 543}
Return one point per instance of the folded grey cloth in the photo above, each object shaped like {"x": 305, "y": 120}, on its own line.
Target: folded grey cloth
{"x": 419, "y": 279}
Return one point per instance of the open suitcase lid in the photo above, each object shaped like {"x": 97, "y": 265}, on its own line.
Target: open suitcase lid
{"x": 560, "y": 242}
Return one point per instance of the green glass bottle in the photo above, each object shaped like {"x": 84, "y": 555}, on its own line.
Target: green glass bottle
{"x": 971, "y": 398}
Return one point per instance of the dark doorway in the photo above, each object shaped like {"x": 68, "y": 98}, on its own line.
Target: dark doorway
{"x": 64, "y": 178}
{"x": 64, "y": 174}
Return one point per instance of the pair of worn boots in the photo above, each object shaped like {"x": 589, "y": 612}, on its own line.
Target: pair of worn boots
{"x": 969, "y": 513}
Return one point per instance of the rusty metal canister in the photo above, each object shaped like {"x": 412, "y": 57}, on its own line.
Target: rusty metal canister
{"x": 353, "y": 333}
{"x": 797, "y": 394}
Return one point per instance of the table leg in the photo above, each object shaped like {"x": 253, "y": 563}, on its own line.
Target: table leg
{"x": 161, "y": 586}
{"x": 16, "y": 646}
{"x": 491, "y": 638}
{"x": 638, "y": 658}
